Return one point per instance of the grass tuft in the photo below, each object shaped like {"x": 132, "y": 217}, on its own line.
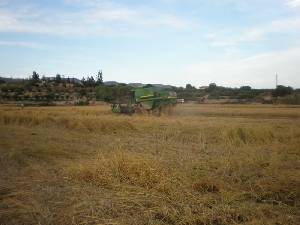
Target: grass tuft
{"x": 123, "y": 167}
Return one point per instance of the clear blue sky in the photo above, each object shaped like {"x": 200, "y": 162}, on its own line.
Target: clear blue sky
{"x": 229, "y": 42}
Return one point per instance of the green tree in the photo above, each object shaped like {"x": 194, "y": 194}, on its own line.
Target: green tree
{"x": 112, "y": 93}
{"x": 189, "y": 87}
{"x": 90, "y": 82}
{"x": 82, "y": 92}
{"x": 99, "y": 78}
{"x": 212, "y": 87}
{"x": 58, "y": 79}
{"x": 83, "y": 81}
{"x": 245, "y": 88}
{"x": 148, "y": 86}
{"x": 35, "y": 76}
{"x": 281, "y": 91}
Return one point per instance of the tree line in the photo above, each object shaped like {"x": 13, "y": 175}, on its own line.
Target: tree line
{"x": 88, "y": 81}
{"x": 59, "y": 88}
{"x": 93, "y": 87}
{"x": 213, "y": 91}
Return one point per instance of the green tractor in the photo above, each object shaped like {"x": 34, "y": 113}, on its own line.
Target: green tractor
{"x": 146, "y": 100}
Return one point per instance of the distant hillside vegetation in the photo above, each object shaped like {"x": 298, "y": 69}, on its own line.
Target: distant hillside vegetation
{"x": 89, "y": 89}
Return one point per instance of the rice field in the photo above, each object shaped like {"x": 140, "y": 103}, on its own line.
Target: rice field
{"x": 201, "y": 165}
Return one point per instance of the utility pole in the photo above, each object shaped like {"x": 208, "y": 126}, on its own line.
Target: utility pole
{"x": 276, "y": 80}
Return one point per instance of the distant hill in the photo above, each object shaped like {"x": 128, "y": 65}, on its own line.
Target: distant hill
{"x": 162, "y": 86}
{"x": 138, "y": 85}
{"x": 159, "y": 86}
{"x": 12, "y": 80}
{"x": 111, "y": 83}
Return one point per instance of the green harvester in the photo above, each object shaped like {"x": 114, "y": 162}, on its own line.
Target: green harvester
{"x": 148, "y": 100}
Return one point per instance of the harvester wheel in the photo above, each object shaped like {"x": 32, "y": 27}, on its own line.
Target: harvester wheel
{"x": 159, "y": 111}
{"x": 167, "y": 109}
{"x": 156, "y": 112}
{"x": 140, "y": 110}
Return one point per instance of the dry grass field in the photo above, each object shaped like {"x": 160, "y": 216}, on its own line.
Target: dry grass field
{"x": 205, "y": 164}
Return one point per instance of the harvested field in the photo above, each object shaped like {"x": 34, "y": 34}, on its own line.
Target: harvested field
{"x": 204, "y": 164}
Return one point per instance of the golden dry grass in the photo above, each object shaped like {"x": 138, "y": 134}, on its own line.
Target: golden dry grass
{"x": 205, "y": 164}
